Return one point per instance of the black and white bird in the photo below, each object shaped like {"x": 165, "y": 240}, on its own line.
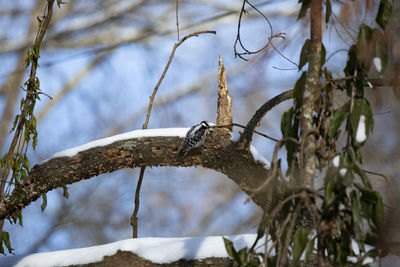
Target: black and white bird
{"x": 195, "y": 137}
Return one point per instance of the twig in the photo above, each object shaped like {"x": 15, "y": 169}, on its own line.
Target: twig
{"x": 274, "y": 165}
{"x": 166, "y": 69}
{"x": 244, "y": 127}
{"x": 36, "y": 93}
{"x": 246, "y": 137}
{"x": 19, "y": 130}
{"x": 177, "y": 17}
{"x": 134, "y": 218}
{"x": 238, "y": 39}
{"x": 282, "y": 259}
{"x": 282, "y": 55}
{"x": 32, "y": 76}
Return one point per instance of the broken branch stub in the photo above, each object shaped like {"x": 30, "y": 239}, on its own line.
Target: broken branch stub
{"x": 224, "y": 107}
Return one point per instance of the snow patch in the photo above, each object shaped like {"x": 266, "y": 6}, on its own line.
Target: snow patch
{"x": 378, "y": 63}
{"x": 157, "y": 250}
{"x": 336, "y": 161}
{"x": 258, "y": 157}
{"x": 235, "y": 136}
{"x": 180, "y": 132}
{"x": 361, "y": 134}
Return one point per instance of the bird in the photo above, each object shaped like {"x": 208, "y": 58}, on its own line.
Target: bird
{"x": 195, "y": 137}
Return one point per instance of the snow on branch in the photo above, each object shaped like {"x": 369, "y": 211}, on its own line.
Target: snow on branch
{"x": 156, "y": 250}
{"x": 143, "y": 148}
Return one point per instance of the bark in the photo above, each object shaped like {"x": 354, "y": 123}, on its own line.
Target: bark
{"x": 311, "y": 94}
{"x": 139, "y": 152}
{"x": 127, "y": 259}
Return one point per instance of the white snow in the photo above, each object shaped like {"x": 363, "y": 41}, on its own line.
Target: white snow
{"x": 342, "y": 172}
{"x": 378, "y": 63}
{"x": 361, "y": 134}
{"x": 257, "y": 156}
{"x": 336, "y": 161}
{"x": 180, "y": 132}
{"x": 235, "y": 136}
{"x": 157, "y": 250}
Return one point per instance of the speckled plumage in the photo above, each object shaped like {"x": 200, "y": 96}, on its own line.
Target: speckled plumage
{"x": 195, "y": 137}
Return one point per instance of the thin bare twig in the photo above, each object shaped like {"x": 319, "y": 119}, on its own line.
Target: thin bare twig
{"x": 244, "y": 127}
{"x": 134, "y": 218}
{"x": 36, "y": 93}
{"x": 177, "y": 17}
{"x": 166, "y": 69}
{"x": 239, "y": 40}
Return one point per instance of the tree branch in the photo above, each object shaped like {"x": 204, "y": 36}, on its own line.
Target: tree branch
{"x": 311, "y": 94}
{"x": 247, "y": 135}
{"x": 139, "y": 152}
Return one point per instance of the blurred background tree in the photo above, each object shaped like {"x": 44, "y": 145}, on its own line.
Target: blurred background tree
{"x": 100, "y": 61}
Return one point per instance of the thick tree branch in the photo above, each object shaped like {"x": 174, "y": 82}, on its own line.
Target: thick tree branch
{"x": 311, "y": 94}
{"x": 139, "y": 152}
{"x": 247, "y": 135}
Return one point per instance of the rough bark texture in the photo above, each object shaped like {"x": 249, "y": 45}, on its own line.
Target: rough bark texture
{"x": 128, "y": 259}
{"x": 247, "y": 136}
{"x": 139, "y": 152}
{"x": 224, "y": 112}
{"x": 311, "y": 94}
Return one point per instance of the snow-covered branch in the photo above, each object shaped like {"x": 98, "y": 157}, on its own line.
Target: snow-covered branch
{"x": 155, "y": 147}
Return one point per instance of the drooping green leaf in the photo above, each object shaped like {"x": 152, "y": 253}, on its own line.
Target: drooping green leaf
{"x": 364, "y": 178}
{"x": 300, "y": 241}
{"x": 309, "y": 249}
{"x": 299, "y": 89}
{"x": 26, "y": 162}
{"x": 355, "y": 209}
{"x": 243, "y": 255}
{"x": 323, "y": 54}
{"x": 59, "y": 3}
{"x": 44, "y": 203}
{"x": 381, "y": 49}
{"x": 65, "y": 192}
{"x": 378, "y": 212}
{"x": 304, "y": 53}
{"x": 304, "y": 6}
{"x": 3, "y": 160}
{"x": 368, "y": 200}
{"x": 230, "y": 249}
{"x": 365, "y": 47}
{"x": 286, "y": 122}
{"x": 329, "y": 194}
{"x": 328, "y": 11}
{"x": 345, "y": 241}
{"x": 5, "y": 237}
{"x": 352, "y": 62}
{"x": 338, "y": 117}
{"x": 384, "y": 12}
{"x": 366, "y": 123}
{"x": 15, "y": 123}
